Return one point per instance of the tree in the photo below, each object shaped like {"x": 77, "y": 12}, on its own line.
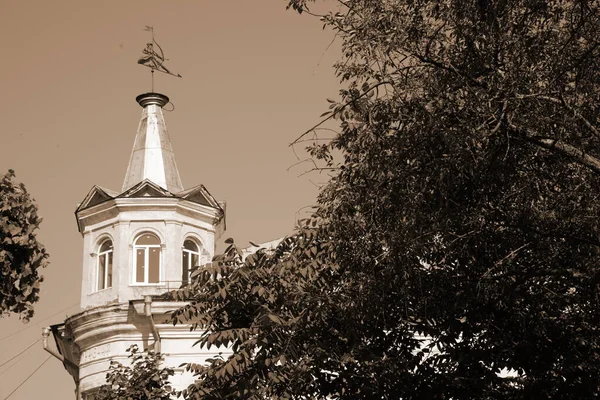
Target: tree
{"x": 141, "y": 380}
{"x": 458, "y": 237}
{"x": 21, "y": 255}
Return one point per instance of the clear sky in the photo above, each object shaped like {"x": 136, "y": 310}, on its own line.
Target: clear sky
{"x": 255, "y": 76}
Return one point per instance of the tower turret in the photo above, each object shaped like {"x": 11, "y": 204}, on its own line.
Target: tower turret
{"x": 138, "y": 244}
{"x": 144, "y": 240}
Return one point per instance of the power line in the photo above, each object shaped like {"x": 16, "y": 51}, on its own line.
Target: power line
{"x": 13, "y": 364}
{"x": 38, "y": 322}
{"x": 26, "y": 379}
{"x": 21, "y": 352}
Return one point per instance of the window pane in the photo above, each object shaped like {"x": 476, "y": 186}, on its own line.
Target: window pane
{"x": 139, "y": 264}
{"x": 109, "y": 267}
{"x": 195, "y": 260}
{"x": 154, "y": 263}
{"x": 147, "y": 239}
{"x": 107, "y": 245}
{"x": 101, "y": 270}
{"x": 189, "y": 245}
{"x": 184, "y": 267}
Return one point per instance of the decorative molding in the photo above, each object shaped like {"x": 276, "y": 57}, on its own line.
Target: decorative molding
{"x": 96, "y": 352}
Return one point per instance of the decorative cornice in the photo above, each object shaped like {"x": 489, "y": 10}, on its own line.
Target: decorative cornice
{"x": 112, "y": 211}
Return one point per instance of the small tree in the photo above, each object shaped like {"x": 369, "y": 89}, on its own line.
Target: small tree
{"x": 143, "y": 379}
{"x": 21, "y": 255}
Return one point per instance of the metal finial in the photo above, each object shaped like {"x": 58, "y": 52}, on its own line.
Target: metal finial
{"x": 151, "y": 98}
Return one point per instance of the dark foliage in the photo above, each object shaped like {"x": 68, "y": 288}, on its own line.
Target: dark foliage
{"x": 21, "y": 255}
{"x": 142, "y": 379}
{"x": 457, "y": 240}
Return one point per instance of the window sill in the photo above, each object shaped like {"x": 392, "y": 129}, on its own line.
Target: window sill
{"x": 100, "y": 291}
{"x": 147, "y": 284}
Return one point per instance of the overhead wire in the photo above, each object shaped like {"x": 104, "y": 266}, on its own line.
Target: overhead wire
{"x": 27, "y": 348}
{"x": 38, "y": 322}
{"x": 26, "y": 379}
{"x": 13, "y": 364}
{"x": 21, "y": 352}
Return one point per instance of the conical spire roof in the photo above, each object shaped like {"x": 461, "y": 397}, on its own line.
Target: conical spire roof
{"x": 152, "y": 157}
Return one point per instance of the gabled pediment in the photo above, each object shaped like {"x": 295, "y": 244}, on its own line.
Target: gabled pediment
{"x": 146, "y": 188}
{"x": 96, "y": 196}
{"x": 199, "y": 195}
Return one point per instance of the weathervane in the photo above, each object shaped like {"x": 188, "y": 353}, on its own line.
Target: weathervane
{"x": 153, "y": 59}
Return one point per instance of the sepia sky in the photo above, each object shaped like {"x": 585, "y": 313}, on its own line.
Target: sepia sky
{"x": 255, "y": 76}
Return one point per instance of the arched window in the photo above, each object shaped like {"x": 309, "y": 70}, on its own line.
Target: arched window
{"x": 147, "y": 258}
{"x": 190, "y": 259}
{"x": 105, "y": 261}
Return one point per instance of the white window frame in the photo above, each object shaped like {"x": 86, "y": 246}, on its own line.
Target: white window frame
{"x": 108, "y": 253}
{"x": 190, "y": 253}
{"x": 146, "y": 248}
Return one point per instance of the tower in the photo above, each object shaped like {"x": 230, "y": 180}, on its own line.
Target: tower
{"x": 138, "y": 244}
